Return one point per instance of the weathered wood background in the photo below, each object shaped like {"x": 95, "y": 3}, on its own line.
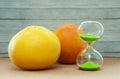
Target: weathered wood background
{"x": 17, "y": 14}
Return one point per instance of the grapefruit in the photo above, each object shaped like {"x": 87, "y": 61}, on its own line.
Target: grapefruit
{"x": 71, "y": 43}
{"x": 34, "y": 47}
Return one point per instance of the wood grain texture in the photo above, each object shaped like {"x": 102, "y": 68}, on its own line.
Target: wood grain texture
{"x": 61, "y": 71}
{"x": 59, "y": 4}
{"x": 11, "y": 27}
{"x": 17, "y": 14}
{"x": 102, "y": 46}
{"x": 58, "y": 13}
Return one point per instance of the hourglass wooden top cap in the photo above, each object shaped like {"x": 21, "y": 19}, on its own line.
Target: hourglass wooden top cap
{"x": 92, "y": 27}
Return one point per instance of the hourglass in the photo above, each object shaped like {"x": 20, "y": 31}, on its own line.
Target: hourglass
{"x": 89, "y": 58}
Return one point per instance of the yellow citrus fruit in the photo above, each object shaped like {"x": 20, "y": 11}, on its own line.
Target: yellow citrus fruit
{"x": 34, "y": 47}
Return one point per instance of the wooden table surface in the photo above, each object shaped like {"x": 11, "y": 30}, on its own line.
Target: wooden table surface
{"x": 110, "y": 70}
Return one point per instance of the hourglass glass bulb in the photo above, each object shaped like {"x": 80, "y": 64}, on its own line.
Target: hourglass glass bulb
{"x": 92, "y": 27}
{"x": 89, "y": 59}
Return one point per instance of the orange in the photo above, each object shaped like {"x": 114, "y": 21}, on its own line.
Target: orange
{"x": 34, "y": 47}
{"x": 71, "y": 43}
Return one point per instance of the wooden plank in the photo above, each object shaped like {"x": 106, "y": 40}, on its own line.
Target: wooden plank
{"x": 3, "y": 54}
{"x": 59, "y": 3}
{"x": 103, "y": 47}
{"x": 109, "y": 24}
{"x": 10, "y": 27}
{"x": 3, "y": 47}
{"x": 58, "y": 14}
{"x": 107, "y": 46}
{"x": 6, "y": 35}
